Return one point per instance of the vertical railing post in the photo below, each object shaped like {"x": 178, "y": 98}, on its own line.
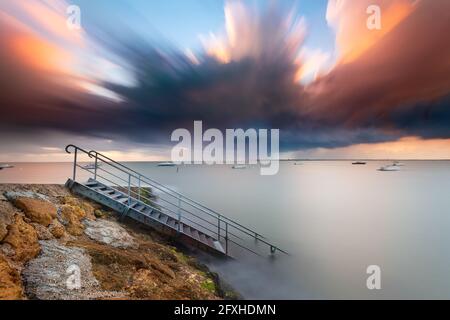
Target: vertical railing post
{"x": 226, "y": 238}
{"x": 139, "y": 188}
{"x": 129, "y": 189}
{"x": 75, "y": 164}
{"x": 179, "y": 213}
{"x": 218, "y": 228}
{"x": 95, "y": 166}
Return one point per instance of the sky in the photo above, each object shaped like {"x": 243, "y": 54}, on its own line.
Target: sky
{"x": 136, "y": 70}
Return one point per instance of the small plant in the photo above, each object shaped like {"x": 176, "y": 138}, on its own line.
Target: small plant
{"x": 209, "y": 285}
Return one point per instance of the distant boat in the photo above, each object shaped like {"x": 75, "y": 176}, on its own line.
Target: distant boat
{"x": 398, "y": 164}
{"x": 389, "y": 168}
{"x": 239, "y": 166}
{"x": 91, "y": 166}
{"x": 6, "y": 166}
{"x": 297, "y": 163}
{"x": 359, "y": 163}
{"x": 167, "y": 164}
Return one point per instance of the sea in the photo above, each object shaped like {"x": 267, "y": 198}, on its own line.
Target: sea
{"x": 336, "y": 220}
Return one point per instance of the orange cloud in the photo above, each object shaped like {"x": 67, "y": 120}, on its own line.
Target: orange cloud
{"x": 349, "y": 18}
{"x": 405, "y": 66}
{"x": 413, "y": 148}
{"x": 39, "y": 54}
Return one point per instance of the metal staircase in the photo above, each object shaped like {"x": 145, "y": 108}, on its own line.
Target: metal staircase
{"x": 129, "y": 193}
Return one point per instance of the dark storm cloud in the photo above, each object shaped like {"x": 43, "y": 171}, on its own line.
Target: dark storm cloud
{"x": 389, "y": 92}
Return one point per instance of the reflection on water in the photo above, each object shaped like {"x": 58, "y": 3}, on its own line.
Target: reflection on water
{"x": 334, "y": 218}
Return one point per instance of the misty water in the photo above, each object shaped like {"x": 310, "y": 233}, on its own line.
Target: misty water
{"x": 334, "y": 218}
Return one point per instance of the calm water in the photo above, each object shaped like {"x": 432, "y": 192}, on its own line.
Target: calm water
{"x": 334, "y": 218}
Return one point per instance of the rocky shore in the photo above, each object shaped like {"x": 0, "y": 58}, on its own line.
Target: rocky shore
{"x": 55, "y": 245}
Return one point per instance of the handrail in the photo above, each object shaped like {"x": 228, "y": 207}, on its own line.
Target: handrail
{"x": 221, "y": 220}
{"x": 185, "y": 199}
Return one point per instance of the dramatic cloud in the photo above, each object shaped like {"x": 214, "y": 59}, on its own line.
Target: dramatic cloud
{"x": 399, "y": 81}
{"x": 386, "y": 84}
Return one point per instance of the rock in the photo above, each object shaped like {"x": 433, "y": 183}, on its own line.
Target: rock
{"x": 55, "y": 273}
{"x": 42, "y": 232}
{"x": 89, "y": 210}
{"x": 3, "y": 230}
{"x": 71, "y": 216}
{"x": 112, "y": 267}
{"x": 10, "y": 281}
{"x": 57, "y": 229}
{"x": 99, "y": 213}
{"x": 24, "y": 239}
{"x": 161, "y": 268}
{"x": 109, "y": 233}
{"x": 143, "y": 285}
{"x": 82, "y": 205}
{"x": 7, "y": 213}
{"x": 14, "y": 195}
{"x": 40, "y": 211}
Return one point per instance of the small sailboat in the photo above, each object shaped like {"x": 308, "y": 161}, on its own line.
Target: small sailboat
{"x": 91, "y": 166}
{"x": 389, "y": 168}
{"x": 6, "y": 166}
{"x": 167, "y": 164}
{"x": 359, "y": 163}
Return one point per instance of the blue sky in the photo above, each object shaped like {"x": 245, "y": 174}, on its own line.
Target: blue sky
{"x": 182, "y": 22}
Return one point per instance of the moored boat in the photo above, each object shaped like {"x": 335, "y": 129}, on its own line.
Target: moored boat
{"x": 6, "y": 166}
{"x": 389, "y": 168}
{"x": 167, "y": 164}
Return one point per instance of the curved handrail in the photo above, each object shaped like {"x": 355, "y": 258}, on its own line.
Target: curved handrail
{"x": 172, "y": 193}
{"x": 205, "y": 209}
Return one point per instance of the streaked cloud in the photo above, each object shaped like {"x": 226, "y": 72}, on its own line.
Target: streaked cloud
{"x": 380, "y": 86}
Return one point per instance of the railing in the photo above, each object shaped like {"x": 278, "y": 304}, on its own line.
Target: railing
{"x": 170, "y": 202}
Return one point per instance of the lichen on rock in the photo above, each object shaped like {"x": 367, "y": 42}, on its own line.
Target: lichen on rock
{"x": 24, "y": 240}
{"x": 57, "y": 229}
{"x": 71, "y": 216}
{"x": 10, "y": 282}
{"x": 43, "y": 233}
{"x": 37, "y": 210}
{"x": 116, "y": 259}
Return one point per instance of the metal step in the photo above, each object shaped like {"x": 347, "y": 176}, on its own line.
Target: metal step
{"x": 172, "y": 222}
{"x": 164, "y": 219}
{"x": 155, "y": 214}
{"x": 194, "y": 234}
{"x": 147, "y": 211}
{"x": 139, "y": 207}
{"x": 148, "y": 214}
{"x": 115, "y": 196}
{"x": 122, "y": 200}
